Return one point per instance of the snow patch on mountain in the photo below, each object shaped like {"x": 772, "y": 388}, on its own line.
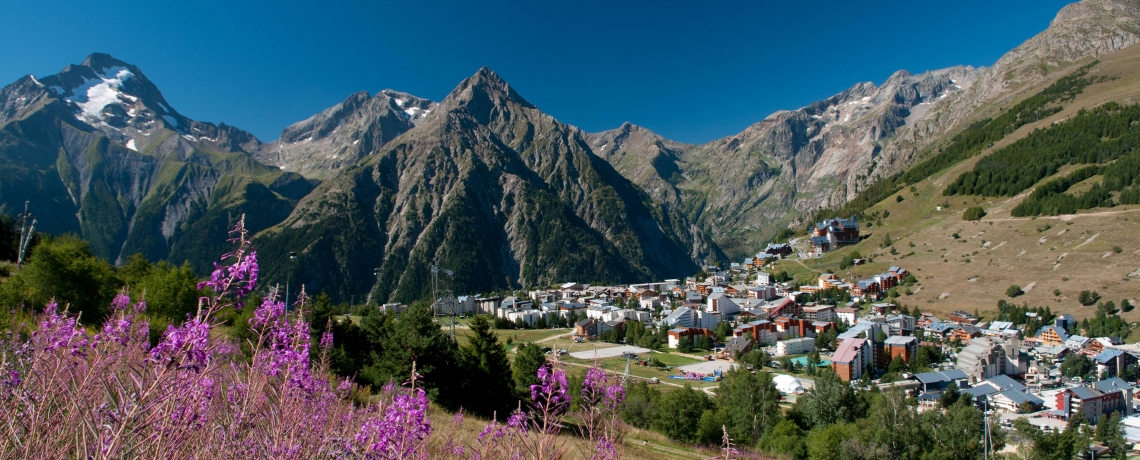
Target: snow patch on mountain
{"x": 93, "y": 95}
{"x": 131, "y": 145}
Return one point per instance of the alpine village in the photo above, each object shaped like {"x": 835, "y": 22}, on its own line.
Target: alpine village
{"x": 942, "y": 266}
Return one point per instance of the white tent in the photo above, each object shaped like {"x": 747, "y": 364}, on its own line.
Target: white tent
{"x": 787, "y": 384}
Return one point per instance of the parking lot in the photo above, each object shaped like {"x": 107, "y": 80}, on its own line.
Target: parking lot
{"x": 602, "y": 353}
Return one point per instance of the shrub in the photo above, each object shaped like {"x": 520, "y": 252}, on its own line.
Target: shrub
{"x": 973, "y": 213}
{"x": 898, "y": 198}
{"x": 1014, "y": 291}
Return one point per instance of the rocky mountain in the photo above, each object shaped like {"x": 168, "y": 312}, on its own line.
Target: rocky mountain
{"x": 344, "y": 133}
{"x": 487, "y": 185}
{"x": 745, "y": 188}
{"x": 97, "y": 151}
{"x": 1080, "y": 32}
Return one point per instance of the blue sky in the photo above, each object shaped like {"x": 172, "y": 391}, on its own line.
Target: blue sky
{"x": 691, "y": 71}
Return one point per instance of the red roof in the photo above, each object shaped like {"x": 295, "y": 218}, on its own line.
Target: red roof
{"x": 848, "y": 351}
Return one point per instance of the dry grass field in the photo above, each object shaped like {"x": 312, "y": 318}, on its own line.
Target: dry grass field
{"x": 1052, "y": 258}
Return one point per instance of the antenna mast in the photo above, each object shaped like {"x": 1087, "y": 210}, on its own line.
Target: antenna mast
{"x": 27, "y": 230}
{"x": 443, "y": 300}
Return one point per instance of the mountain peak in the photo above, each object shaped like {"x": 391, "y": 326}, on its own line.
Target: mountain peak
{"x": 100, "y": 61}
{"x": 486, "y": 89}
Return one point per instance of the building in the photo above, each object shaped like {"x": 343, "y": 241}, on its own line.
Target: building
{"x": 1051, "y": 335}
{"x": 831, "y": 234}
{"x": 848, "y": 315}
{"x": 1111, "y": 361}
{"x": 795, "y": 346}
{"x": 737, "y": 346}
{"x": 586, "y": 328}
{"x": 819, "y": 313}
{"x": 962, "y": 317}
{"x": 681, "y": 317}
{"x": 779, "y": 249}
{"x": 938, "y": 381}
{"x": 901, "y": 324}
{"x": 720, "y": 302}
{"x": 852, "y": 359}
{"x": 983, "y": 358}
{"x": 964, "y": 333}
{"x": 1103, "y": 397}
{"x": 904, "y": 347}
{"x": 675, "y": 334}
{"x": 760, "y": 331}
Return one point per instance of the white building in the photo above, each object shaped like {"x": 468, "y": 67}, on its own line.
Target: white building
{"x": 529, "y": 317}
{"x": 719, "y": 302}
{"x": 795, "y": 346}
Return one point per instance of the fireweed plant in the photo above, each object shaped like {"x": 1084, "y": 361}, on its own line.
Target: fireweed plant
{"x": 67, "y": 392}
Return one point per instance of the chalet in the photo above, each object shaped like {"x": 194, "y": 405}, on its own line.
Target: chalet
{"x": 866, "y": 288}
{"x": 1051, "y": 335}
{"x": 962, "y": 317}
{"x": 964, "y": 333}
{"x": 1077, "y": 342}
{"x": 782, "y": 249}
{"x": 737, "y": 346}
{"x": 832, "y": 234}
{"x": 587, "y": 329}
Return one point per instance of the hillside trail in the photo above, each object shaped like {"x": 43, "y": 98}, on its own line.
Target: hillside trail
{"x": 1068, "y": 217}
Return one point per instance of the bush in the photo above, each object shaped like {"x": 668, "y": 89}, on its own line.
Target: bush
{"x": 1014, "y": 291}
{"x": 898, "y": 198}
{"x": 973, "y": 213}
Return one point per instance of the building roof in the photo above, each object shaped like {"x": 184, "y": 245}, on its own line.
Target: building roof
{"x": 955, "y": 374}
{"x": 736, "y": 344}
{"x": 1019, "y": 398}
{"x": 900, "y": 340}
{"x": 1108, "y": 354}
{"x": 1084, "y": 392}
{"x": 1112, "y": 384}
{"x": 931, "y": 377}
{"x": 1005, "y": 383}
{"x": 848, "y": 351}
{"x": 984, "y": 389}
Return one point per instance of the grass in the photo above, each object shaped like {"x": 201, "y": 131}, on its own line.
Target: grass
{"x": 517, "y": 336}
{"x": 617, "y": 365}
{"x": 639, "y": 444}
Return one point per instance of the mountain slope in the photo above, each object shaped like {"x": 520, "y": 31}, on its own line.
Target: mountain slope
{"x": 963, "y": 265}
{"x": 98, "y": 151}
{"x": 745, "y": 188}
{"x": 491, "y": 187}
{"x": 344, "y": 133}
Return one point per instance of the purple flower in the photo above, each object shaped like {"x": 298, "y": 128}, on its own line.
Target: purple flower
{"x": 187, "y": 345}
{"x": 605, "y": 450}
{"x": 551, "y": 393}
{"x": 399, "y": 431}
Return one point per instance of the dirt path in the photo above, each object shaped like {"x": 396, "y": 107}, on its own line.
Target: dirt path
{"x": 1068, "y": 217}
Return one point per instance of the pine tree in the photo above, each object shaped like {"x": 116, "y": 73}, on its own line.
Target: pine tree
{"x": 489, "y": 383}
